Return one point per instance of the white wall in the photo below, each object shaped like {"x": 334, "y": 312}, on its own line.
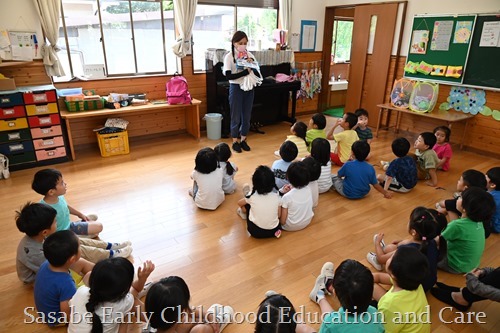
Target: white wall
{"x": 20, "y": 15}
{"x": 419, "y": 7}
{"x": 310, "y": 10}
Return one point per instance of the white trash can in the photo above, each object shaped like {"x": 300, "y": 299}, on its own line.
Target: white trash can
{"x": 214, "y": 125}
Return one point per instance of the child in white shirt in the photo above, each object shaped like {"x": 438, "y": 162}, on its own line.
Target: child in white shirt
{"x": 207, "y": 180}
{"x": 229, "y": 169}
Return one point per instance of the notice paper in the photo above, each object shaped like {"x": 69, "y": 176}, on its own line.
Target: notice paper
{"x": 490, "y": 36}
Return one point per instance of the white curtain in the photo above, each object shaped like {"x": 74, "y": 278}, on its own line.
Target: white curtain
{"x": 49, "y": 12}
{"x": 286, "y": 16}
{"x": 184, "y": 13}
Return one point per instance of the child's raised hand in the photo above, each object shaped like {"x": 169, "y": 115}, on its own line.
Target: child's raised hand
{"x": 286, "y": 188}
{"x": 340, "y": 121}
{"x": 147, "y": 268}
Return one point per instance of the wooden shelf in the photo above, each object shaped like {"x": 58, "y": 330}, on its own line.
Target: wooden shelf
{"x": 14, "y": 63}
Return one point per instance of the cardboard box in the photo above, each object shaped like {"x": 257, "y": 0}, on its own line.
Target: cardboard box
{"x": 7, "y": 84}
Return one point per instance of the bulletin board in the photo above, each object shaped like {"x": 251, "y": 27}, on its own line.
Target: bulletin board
{"x": 441, "y": 41}
{"x": 483, "y": 65}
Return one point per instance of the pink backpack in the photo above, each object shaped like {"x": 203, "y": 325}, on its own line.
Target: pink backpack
{"x": 177, "y": 90}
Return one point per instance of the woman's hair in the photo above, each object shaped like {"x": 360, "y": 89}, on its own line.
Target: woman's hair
{"x": 276, "y": 314}
{"x": 223, "y": 154}
{"x": 206, "y": 161}
{"x": 238, "y": 35}
{"x": 263, "y": 180}
{"x": 298, "y": 174}
{"x": 110, "y": 281}
{"x": 353, "y": 284}
{"x": 424, "y": 222}
{"x": 165, "y": 302}
{"x": 409, "y": 267}
{"x": 300, "y": 129}
{"x": 446, "y": 130}
{"x": 320, "y": 150}
{"x": 34, "y": 218}
{"x": 478, "y": 204}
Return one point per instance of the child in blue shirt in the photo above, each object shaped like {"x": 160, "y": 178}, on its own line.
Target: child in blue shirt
{"x": 401, "y": 173}
{"x": 288, "y": 153}
{"x": 54, "y": 286}
{"x": 493, "y": 179}
{"x": 354, "y": 178}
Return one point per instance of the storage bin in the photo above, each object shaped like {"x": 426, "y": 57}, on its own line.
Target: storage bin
{"x": 47, "y": 143}
{"x": 13, "y": 99}
{"x": 12, "y": 112}
{"x": 21, "y": 158}
{"x": 16, "y": 147}
{"x": 44, "y": 132}
{"x": 85, "y": 105}
{"x": 13, "y": 124}
{"x": 113, "y": 143}
{"x": 18, "y": 135}
{"x": 49, "y": 120}
{"x": 47, "y": 154}
{"x": 35, "y": 110}
{"x": 40, "y": 97}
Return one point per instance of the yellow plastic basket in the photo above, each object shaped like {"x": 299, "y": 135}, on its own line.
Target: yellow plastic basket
{"x": 113, "y": 144}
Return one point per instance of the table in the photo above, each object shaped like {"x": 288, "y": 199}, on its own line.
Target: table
{"x": 449, "y": 117}
{"x": 148, "y": 115}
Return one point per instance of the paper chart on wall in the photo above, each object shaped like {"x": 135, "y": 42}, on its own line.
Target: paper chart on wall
{"x": 463, "y": 31}
{"x": 441, "y": 35}
{"x": 490, "y": 35}
{"x": 22, "y": 45}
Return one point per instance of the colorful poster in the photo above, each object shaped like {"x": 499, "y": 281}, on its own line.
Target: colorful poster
{"x": 419, "y": 41}
{"x": 490, "y": 36}
{"x": 463, "y": 31}
{"x": 441, "y": 35}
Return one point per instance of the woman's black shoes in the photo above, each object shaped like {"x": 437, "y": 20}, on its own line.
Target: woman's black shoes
{"x": 244, "y": 145}
{"x": 237, "y": 147}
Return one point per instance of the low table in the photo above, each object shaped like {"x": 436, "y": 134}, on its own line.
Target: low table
{"x": 449, "y": 117}
{"x": 144, "y": 118}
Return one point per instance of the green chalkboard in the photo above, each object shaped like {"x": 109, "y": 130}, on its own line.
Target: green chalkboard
{"x": 442, "y": 47}
{"x": 483, "y": 65}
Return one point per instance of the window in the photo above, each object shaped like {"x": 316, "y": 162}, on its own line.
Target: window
{"x": 215, "y": 24}
{"x": 126, "y": 37}
{"x": 342, "y": 40}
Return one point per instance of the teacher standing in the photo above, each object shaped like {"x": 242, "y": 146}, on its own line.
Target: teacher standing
{"x": 240, "y": 101}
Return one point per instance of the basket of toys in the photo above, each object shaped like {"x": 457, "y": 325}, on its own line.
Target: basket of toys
{"x": 424, "y": 96}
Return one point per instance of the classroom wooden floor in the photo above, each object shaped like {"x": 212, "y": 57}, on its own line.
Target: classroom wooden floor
{"x": 143, "y": 197}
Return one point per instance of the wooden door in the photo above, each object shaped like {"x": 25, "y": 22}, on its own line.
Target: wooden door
{"x": 367, "y": 79}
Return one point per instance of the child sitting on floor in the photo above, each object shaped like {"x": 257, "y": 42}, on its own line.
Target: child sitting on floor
{"x": 493, "y": 185}
{"x": 344, "y": 139}
{"x": 50, "y": 184}
{"x": 320, "y": 151}
{"x": 401, "y": 173}
{"x": 229, "y": 169}
{"x": 361, "y": 128}
{"x": 314, "y": 168}
{"x": 260, "y": 207}
{"x": 207, "y": 178}
{"x": 352, "y": 284}
{"x": 288, "y": 153}
{"x": 354, "y": 178}
{"x": 427, "y": 159}
{"x": 464, "y": 238}
{"x": 443, "y": 147}
{"x": 298, "y": 136}
{"x": 316, "y": 129}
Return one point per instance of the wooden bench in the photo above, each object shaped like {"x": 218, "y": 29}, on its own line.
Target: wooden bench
{"x": 143, "y": 120}
{"x": 449, "y": 117}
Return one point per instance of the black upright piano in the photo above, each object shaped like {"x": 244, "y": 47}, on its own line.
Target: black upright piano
{"x": 270, "y": 101}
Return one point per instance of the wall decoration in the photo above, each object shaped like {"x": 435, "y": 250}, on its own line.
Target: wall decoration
{"x": 463, "y": 31}
{"x": 465, "y": 99}
{"x": 441, "y": 35}
{"x": 419, "y": 41}
{"x": 308, "y": 35}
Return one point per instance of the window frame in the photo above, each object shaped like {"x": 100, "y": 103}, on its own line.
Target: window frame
{"x": 68, "y": 50}
{"x": 334, "y": 37}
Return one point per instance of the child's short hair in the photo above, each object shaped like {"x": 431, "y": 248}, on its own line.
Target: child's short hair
{"x": 298, "y": 174}
{"x": 165, "y": 301}
{"x": 263, "y": 180}
{"x": 276, "y": 314}
{"x": 361, "y": 112}
{"x": 429, "y": 139}
{"x": 288, "y": 151}
{"x": 475, "y": 178}
{"x": 34, "y": 218}
{"x": 353, "y": 284}
{"x": 320, "y": 150}
{"x": 60, "y": 246}
{"x": 314, "y": 168}
{"x": 360, "y": 149}
{"x": 351, "y": 119}
{"x": 409, "y": 267}
{"x": 110, "y": 281}
{"x": 45, "y": 180}
{"x": 446, "y": 130}
{"x": 494, "y": 176}
{"x": 400, "y": 147}
{"x": 300, "y": 129}
{"x": 319, "y": 120}
{"x": 478, "y": 204}
{"x": 206, "y": 160}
